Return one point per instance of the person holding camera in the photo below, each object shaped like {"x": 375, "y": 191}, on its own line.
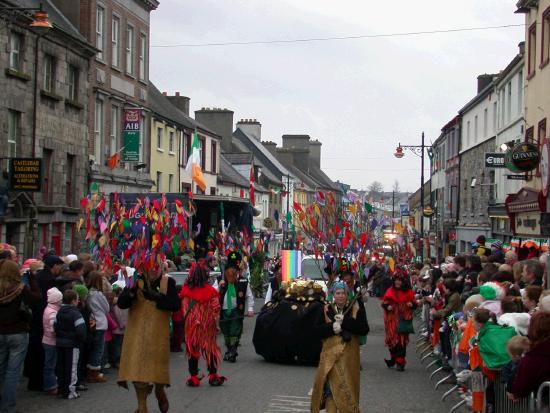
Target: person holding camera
{"x": 337, "y": 379}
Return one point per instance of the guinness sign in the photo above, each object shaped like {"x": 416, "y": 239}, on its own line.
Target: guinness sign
{"x": 428, "y": 211}
{"x": 523, "y": 157}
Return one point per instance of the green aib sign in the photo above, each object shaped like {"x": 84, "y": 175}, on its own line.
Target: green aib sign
{"x": 132, "y": 122}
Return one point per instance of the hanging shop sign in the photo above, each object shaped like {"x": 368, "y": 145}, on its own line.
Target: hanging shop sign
{"x": 25, "y": 174}
{"x": 523, "y": 157}
{"x": 132, "y": 121}
{"x": 494, "y": 160}
{"x": 517, "y": 177}
{"x": 543, "y": 167}
{"x": 428, "y": 211}
{"x": 528, "y": 223}
{"x": 404, "y": 208}
{"x": 412, "y": 221}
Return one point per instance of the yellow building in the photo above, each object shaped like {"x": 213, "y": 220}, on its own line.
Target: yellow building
{"x": 165, "y": 144}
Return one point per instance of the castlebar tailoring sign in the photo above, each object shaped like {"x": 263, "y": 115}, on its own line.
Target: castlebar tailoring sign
{"x": 132, "y": 122}
{"x": 494, "y": 160}
{"x": 26, "y": 174}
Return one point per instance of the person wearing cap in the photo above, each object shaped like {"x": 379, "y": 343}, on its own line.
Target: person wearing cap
{"x": 55, "y": 297}
{"x": 337, "y": 381}
{"x": 235, "y": 298}
{"x": 497, "y": 253}
{"x": 479, "y": 246}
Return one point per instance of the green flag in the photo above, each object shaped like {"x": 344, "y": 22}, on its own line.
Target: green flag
{"x": 368, "y": 207}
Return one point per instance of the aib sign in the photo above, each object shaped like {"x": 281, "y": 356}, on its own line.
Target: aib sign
{"x": 132, "y": 118}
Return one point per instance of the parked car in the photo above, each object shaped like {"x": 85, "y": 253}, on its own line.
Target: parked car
{"x": 314, "y": 269}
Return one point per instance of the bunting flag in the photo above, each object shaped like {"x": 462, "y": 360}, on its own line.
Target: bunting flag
{"x": 113, "y": 161}
{"x": 252, "y": 182}
{"x": 194, "y": 164}
{"x": 368, "y": 207}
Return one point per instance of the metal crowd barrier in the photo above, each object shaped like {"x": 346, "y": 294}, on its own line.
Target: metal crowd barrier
{"x": 502, "y": 404}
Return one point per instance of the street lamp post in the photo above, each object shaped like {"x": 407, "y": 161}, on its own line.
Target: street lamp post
{"x": 418, "y": 150}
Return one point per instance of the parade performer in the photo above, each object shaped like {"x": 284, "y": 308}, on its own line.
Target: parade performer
{"x": 201, "y": 312}
{"x": 272, "y": 293}
{"x": 235, "y": 295}
{"x": 398, "y": 304}
{"x": 336, "y": 387}
{"x": 146, "y": 349}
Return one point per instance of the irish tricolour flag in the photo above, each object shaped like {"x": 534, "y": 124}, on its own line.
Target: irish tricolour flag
{"x": 194, "y": 164}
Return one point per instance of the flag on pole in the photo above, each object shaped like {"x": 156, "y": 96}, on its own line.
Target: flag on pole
{"x": 113, "y": 161}
{"x": 252, "y": 181}
{"x": 194, "y": 164}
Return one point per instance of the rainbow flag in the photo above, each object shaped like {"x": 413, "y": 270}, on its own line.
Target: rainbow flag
{"x": 291, "y": 264}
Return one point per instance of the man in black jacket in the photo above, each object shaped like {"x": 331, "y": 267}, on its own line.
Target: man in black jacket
{"x": 70, "y": 331}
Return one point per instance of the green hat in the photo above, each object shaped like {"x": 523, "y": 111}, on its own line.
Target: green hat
{"x": 81, "y": 290}
{"x": 488, "y": 292}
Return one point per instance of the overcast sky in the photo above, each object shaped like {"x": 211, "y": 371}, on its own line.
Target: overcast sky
{"x": 358, "y": 97}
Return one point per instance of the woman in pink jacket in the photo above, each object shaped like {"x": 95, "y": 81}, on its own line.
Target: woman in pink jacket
{"x": 48, "y": 340}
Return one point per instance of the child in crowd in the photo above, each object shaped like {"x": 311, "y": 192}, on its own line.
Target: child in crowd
{"x": 120, "y": 316}
{"x": 70, "y": 330}
{"x": 48, "y": 340}
{"x": 516, "y": 347}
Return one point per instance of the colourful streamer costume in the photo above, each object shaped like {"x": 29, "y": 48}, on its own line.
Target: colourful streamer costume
{"x": 336, "y": 387}
{"x": 201, "y": 311}
{"x": 398, "y": 304}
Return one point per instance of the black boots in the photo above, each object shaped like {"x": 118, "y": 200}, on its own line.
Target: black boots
{"x": 390, "y": 363}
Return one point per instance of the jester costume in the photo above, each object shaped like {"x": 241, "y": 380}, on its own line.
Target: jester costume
{"x": 336, "y": 387}
{"x": 201, "y": 312}
{"x": 398, "y": 305}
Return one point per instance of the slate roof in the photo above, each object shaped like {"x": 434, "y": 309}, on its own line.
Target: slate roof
{"x": 165, "y": 109}
{"x": 231, "y": 175}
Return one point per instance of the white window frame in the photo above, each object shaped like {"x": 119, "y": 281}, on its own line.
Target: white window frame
{"x": 13, "y": 132}
{"x": 99, "y": 113}
{"x": 114, "y": 143}
{"x": 130, "y": 49}
{"x": 16, "y": 44}
{"x": 485, "y": 122}
{"x": 520, "y": 92}
{"x": 159, "y": 181}
{"x": 160, "y": 138}
{"x": 509, "y": 107}
{"x": 475, "y": 128}
{"x": 100, "y": 31}
{"x": 170, "y": 182}
{"x": 72, "y": 81}
{"x": 115, "y": 41}
{"x": 48, "y": 79}
{"x": 142, "y": 56}
{"x": 171, "y": 136}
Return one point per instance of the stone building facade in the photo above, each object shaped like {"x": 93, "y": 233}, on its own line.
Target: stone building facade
{"x": 43, "y": 114}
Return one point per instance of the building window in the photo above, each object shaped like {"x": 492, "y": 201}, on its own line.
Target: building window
{"x": 16, "y": 43}
{"x": 475, "y": 128}
{"x": 214, "y": 155}
{"x": 100, "y": 31}
{"x": 47, "y": 156}
{"x": 171, "y": 142}
{"x": 545, "y": 52}
{"x": 115, "y": 42}
{"x": 520, "y": 92}
{"x": 49, "y": 74}
{"x": 532, "y": 51}
{"x": 186, "y": 147}
{"x": 160, "y": 132}
{"x": 73, "y": 83}
{"x": 13, "y": 132}
{"x": 202, "y": 153}
{"x": 485, "y": 122}
{"x": 170, "y": 182}
{"x": 98, "y": 127}
{"x": 502, "y": 96}
{"x": 130, "y": 50}
{"x": 115, "y": 129}
{"x": 142, "y": 56}
{"x": 530, "y": 134}
{"x": 468, "y": 134}
{"x": 509, "y": 107}
{"x": 159, "y": 181}
{"x": 541, "y": 131}
{"x": 70, "y": 189}
{"x": 495, "y": 117}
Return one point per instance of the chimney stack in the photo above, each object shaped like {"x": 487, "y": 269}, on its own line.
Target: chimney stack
{"x": 179, "y": 101}
{"x": 315, "y": 153}
{"x": 483, "y": 81}
{"x": 220, "y": 121}
{"x": 521, "y": 47}
{"x": 251, "y": 127}
{"x": 271, "y": 147}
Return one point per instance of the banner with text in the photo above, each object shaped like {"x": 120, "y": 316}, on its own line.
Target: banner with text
{"x": 132, "y": 131}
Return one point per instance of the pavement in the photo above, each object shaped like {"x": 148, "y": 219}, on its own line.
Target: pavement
{"x": 256, "y": 386}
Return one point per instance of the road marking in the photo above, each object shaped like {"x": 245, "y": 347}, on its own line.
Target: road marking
{"x": 286, "y": 403}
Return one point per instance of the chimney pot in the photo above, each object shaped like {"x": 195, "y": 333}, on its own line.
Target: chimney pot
{"x": 165, "y": 93}
{"x": 177, "y": 93}
{"x": 521, "y": 46}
